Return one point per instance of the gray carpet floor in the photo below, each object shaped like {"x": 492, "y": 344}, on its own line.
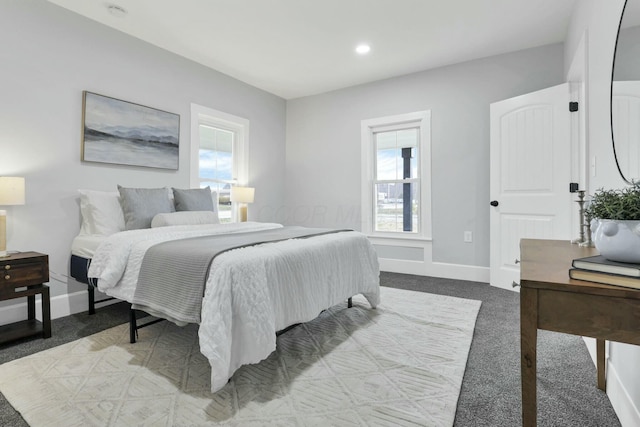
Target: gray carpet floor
{"x": 490, "y": 395}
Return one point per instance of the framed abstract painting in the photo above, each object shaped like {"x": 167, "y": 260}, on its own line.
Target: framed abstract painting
{"x": 124, "y": 133}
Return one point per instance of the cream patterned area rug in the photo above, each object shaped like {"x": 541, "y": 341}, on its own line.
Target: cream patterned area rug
{"x": 399, "y": 365}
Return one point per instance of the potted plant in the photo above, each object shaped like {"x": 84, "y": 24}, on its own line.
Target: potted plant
{"x": 615, "y": 223}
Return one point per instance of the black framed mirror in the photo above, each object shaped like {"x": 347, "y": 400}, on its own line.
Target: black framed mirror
{"x": 625, "y": 94}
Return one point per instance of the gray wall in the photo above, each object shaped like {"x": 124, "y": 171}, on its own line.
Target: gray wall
{"x": 49, "y": 56}
{"x": 323, "y": 144}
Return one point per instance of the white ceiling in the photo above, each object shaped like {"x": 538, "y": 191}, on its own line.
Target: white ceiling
{"x": 294, "y": 48}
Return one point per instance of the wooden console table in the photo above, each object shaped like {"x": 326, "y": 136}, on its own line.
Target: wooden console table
{"x": 550, "y": 300}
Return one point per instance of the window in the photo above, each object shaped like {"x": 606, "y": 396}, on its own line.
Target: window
{"x": 396, "y": 176}
{"x": 215, "y": 165}
{"x": 219, "y": 154}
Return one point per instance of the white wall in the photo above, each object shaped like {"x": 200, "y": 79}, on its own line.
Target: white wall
{"x": 323, "y": 144}
{"x": 49, "y": 57}
{"x": 597, "y": 21}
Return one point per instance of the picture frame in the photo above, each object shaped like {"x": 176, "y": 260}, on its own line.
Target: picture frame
{"x": 124, "y": 133}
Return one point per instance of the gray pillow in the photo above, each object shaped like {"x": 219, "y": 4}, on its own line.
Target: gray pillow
{"x": 140, "y": 205}
{"x": 195, "y": 199}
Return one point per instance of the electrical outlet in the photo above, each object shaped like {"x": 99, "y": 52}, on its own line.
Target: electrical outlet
{"x": 468, "y": 237}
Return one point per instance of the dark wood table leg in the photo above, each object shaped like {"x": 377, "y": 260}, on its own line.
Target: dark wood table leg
{"x": 46, "y": 313}
{"x": 601, "y": 364}
{"x": 528, "y": 357}
{"x": 31, "y": 307}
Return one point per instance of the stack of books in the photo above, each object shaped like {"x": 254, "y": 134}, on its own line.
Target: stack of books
{"x": 601, "y": 270}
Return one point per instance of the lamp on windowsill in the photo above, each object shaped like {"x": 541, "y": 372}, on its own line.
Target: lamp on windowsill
{"x": 11, "y": 193}
{"x": 242, "y": 195}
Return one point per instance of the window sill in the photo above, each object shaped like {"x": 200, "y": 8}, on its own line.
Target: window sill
{"x": 398, "y": 237}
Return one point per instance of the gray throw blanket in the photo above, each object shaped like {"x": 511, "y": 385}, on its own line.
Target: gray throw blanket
{"x": 173, "y": 274}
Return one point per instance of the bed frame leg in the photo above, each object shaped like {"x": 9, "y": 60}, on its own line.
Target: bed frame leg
{"x": 349, "y": 303}
{"x": 133, "y": 327}
{"x": 92, "y": 299}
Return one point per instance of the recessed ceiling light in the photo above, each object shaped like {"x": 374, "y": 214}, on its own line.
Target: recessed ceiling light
{"x": 363, "y": 49}
{"x": 116, "y": 10}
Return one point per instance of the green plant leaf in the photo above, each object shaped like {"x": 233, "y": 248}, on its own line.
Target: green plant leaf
{"x": 621, "y": 205}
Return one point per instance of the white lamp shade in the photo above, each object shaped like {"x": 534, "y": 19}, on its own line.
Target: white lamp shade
{"x": 11, "y": 190}
{"x": 242, "y": 194}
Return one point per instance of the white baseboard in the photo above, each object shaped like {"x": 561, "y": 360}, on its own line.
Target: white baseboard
{"x": 623, "y": 405}
{"x": 461, "y": 272}
{"x": 423, "y": 265}
{"x": 436, "y": 269}
{"x": 61, "y": 306}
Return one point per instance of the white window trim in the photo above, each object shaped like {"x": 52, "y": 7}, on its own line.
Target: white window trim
{"x": 422, "y": 119}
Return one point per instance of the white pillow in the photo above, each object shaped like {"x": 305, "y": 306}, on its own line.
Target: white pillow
{"x": 101, "y": 212}
{"x": 184, "y": 218}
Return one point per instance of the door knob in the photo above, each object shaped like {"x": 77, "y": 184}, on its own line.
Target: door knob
{"x": 494, "y": 203}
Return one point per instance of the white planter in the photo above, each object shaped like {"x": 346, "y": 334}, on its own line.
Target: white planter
{"x": 617, "y": 240}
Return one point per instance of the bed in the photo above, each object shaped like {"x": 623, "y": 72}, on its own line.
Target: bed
{"x": 250, "y": 292}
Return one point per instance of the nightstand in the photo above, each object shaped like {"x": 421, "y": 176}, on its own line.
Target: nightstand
{"x": 23, "y": 275}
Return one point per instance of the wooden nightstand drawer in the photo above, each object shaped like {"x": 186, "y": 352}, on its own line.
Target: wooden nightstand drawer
{"x": 23, "y": 269}
{"x": 22, "y": 275}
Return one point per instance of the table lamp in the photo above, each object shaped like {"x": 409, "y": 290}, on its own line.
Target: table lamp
{"x": 242, "y": 195}
{"x": 11, "y": 193}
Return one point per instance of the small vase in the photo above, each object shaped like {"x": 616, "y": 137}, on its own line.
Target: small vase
{"x": 617, "y": 240}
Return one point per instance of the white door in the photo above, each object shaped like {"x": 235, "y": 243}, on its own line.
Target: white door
{"x": 529, "y": 176}
{"x": 625, "y": 106}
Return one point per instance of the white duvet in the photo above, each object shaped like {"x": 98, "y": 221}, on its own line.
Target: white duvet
{"x": 251, "y": 292}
